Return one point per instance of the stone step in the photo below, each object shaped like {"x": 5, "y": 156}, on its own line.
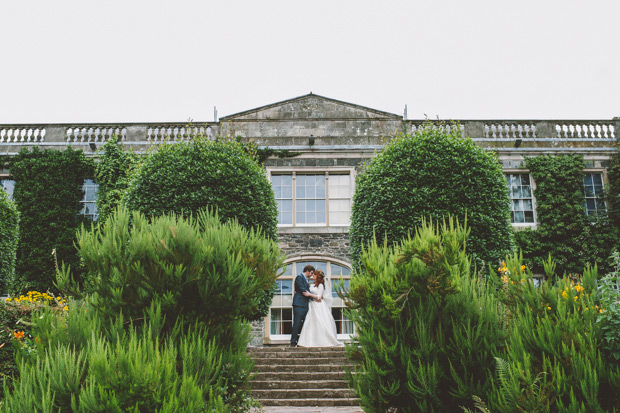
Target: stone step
{"x": 350, "y": 402}
{"x": 296, "y": 354}
{"x": 291, "y": 368}
{"x": 298, "y": 384}
{"x": 307, "y": 393}
{"x": 301, "y": 361}
{"x": 299, "y": 375}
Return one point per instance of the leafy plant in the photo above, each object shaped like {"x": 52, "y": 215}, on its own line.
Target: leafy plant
{"x": 433, "y": 174}
{"x": 9, "y": 235}
{"x": 112, "y": 174}
{"x": 609, "y": 315}
{"x": 48, "y": 191}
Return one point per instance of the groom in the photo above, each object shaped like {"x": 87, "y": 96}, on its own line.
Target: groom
{"x": 300, "y": 302}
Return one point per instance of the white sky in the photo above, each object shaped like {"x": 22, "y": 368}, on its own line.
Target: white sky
{"x": 158, "y": 61}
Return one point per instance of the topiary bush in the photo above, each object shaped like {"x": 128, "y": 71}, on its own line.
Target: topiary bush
{"x": 426, "y": 328}
{"x": 433, "y": 174}
{"x": 112, "y": 174}
{"x": 188, "y": 176}
{"x": 48, "y": 191}
{"x": 9, "y": 235}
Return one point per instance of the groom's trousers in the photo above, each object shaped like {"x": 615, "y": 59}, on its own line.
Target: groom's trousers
{"x": 299, "y": 316}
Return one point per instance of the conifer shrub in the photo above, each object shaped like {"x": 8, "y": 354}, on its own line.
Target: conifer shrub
{"x": 197, "y": 269}
{"x": 186, "y": 177}
{"x": 9, "y": 234}
{"x": 432, "y": 174}
{"x": 48, "y": 191}
{"x": 427, "y": 329}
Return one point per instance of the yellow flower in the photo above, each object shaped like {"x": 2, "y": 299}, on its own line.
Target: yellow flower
{"x": 548, "y": 308}
{"x": 564, "y": 294}
{"x": 578, "y": 288}
{"x": 8, "y": 299}
{"x": 575, "y": 298}
{"x": 523, "y": 268}
{"x": 66, "y": 308}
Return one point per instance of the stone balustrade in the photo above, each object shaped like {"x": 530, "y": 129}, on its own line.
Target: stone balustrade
{"x": 603, "y": 132}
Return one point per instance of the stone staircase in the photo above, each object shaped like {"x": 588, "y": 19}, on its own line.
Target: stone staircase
{"x": 301, "y": 376}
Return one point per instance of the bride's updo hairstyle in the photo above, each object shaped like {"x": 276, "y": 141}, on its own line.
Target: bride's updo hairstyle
{"x": 319, "y": 278}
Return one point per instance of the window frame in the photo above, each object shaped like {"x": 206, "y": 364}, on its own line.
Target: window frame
{"x": 533, "y": 187}
{"x": 604, "y": 183}
{"x": 313, "y": 170}
{"x": 293, "y": 261}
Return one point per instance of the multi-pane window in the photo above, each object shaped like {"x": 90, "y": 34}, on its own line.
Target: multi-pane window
{"x": 310, "y": 199}
{"x": 521, "y": 199}
{"x": 281, "y": 311}
{"x": 594, "y": 202}
{"x": 313, "y": 199}
{"x": 8, "y": 185}
{"x": 89, "y": 206}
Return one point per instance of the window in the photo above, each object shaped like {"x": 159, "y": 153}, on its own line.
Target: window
{"x": 8, "y": 185}
{"x": 89, "y": 206}
{"x": 313, "y": 199}
{"x": 337, "y": 276}
{"x": 594, "y": 202}
{"x": 522, "y": 201}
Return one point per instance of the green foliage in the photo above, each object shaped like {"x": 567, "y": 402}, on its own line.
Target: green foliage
{"x": 198, "y": 269}
{"x": 16, "y": 337}
{"x": 129, "y": 370}
{"x": 564, "y": 231}
{"x": 112, "y": 174}
{"x": 9, "y": 235}
{"x": 433, "y": 174}
{"x": 427, "y": 329}
{"x": 609, "y": 317}
{"x": 48, "y": 191}
{"x": 613, "y": 191}
{"x": 553, "y": 359}
{"x": 188, "y": 176}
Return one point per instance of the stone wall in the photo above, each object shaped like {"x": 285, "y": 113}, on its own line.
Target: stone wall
{"x": 331, "y": 245}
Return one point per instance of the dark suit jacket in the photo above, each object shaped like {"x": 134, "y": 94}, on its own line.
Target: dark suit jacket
{"x": 301, "y": 285}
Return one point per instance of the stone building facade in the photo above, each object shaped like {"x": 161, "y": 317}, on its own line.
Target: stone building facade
{"x": 314, "y": 189}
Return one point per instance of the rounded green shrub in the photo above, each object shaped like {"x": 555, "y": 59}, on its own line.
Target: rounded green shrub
{"x": 431, "y": 175}
{"x": 9, "y": 233}
{"x": 188, "y": 176}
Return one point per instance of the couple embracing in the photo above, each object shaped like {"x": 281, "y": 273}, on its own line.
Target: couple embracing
{"x": 312, "y": 315}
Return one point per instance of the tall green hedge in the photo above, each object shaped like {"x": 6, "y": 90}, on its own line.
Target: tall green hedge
{"x": 48, "y": 191}
{"x": 433, "y": 174}
{"x": 613, "y": 192}
{"x": 9, "y": 234}
{"x": 189, "y": 176}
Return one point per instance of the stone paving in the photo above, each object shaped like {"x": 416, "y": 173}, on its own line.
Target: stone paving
{"x": 284, "y": 409}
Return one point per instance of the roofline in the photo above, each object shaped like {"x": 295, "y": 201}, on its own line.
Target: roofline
{"x": 247, "y": 112}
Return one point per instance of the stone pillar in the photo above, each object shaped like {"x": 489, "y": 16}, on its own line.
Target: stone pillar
{"x": 616, "y": 121}
{"x": 545, "y": 130}
{"x": 55, "y": 133}
{"x": 136, "y": 133}
{"x": 474, "y": 130}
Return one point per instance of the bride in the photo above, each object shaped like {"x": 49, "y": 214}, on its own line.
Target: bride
{"x": 319, "y": 329}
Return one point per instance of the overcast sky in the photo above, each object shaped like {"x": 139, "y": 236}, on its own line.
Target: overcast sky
{"x": 158, "y": 61}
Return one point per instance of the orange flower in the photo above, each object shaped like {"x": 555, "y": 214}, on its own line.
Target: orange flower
{"x": 18, "y": 334}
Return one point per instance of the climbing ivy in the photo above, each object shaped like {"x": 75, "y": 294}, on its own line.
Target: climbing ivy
{"x": 48, "y": 190}
{"x": 564, "y": 231}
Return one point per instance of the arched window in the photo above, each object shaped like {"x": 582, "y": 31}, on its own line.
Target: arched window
{"x": 337, "y": 275}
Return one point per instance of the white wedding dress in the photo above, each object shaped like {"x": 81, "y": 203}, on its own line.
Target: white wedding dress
{"x": 319, "y": 329}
